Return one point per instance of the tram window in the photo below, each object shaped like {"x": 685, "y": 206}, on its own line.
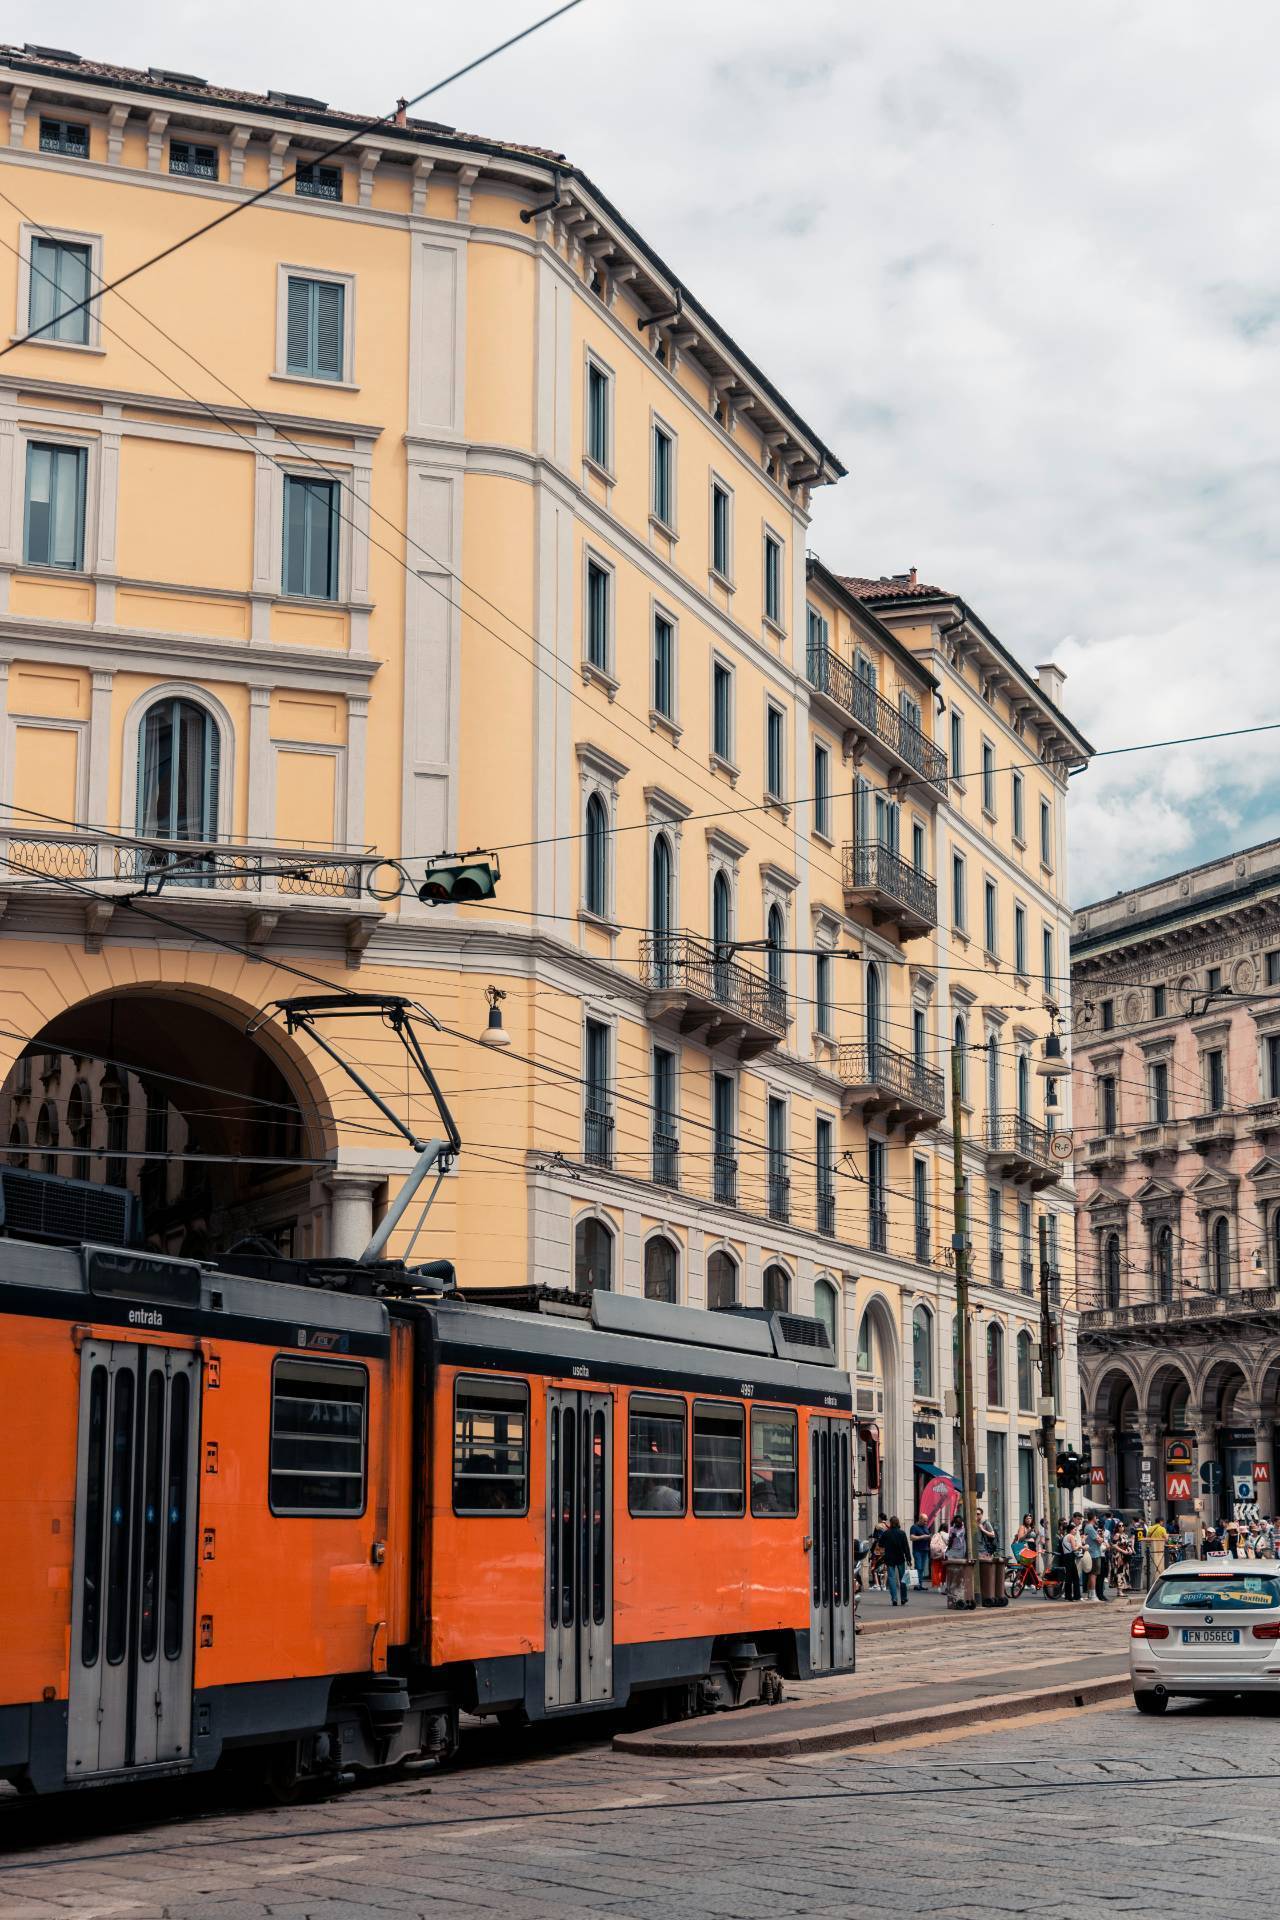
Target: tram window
{"x": 774, "y": 1478}
{"x": 655, "y": 1455}
{"x": 719, "y": 1436}
{"x": 490, "y": 1446}
{"x": 318, "y": 1437}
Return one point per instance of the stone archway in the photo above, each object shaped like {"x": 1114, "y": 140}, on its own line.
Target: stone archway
{"x": 220, "y": 1136}
{"x": 1224, "y": 1432}
{"x": 1115, "y": 1447}
{"x": 878, "y": 1345}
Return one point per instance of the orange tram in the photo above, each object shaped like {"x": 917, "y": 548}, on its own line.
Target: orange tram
{"x": 306, "y": 1513}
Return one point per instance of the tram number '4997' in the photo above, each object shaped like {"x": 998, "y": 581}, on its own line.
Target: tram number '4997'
{"x": 746, "y": 1389}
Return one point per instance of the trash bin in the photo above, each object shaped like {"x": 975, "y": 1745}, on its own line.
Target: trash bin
{"x": 987, "y": 1581}
{"x": 960, "y": 1583}
{"x": 1001, "y": 1564}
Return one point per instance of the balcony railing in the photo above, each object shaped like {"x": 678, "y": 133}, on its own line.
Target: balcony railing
{"x": 209, "y": 865}
{"x": 666, "y": 1159}
{"x": 1021, "y": 1143}
{"x": 76, "y": 147}
{"x": 1026, "y": 1275}
{"x": 725, "y": 1179}
{"x": 878, "y": 1228}
{"x": 873, "y": 869}
{"x": 779, "y": 1196}
{"x": 836, "y": 679}
{"x": 995, "y": 1266}
{"x": 922, "y": 1243}
{"x": 826, "y": 1211}
{"x": 598, "y": 1137}
{"x": 898, "y": 1079}
{"x": 683, "y": 963}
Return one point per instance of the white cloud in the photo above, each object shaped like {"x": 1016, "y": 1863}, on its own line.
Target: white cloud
{"x": 1018, "y": 266}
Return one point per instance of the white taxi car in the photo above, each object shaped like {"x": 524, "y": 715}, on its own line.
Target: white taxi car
{"x": 1206, "y": 1627}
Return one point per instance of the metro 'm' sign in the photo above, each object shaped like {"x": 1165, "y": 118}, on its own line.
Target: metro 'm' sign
{"x": 1177, "y": 1486}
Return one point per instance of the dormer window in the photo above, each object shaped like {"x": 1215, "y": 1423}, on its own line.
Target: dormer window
{"x": 315, "y": 182}
{"x": 196, "y": 163}
{"x": 64, "y": 136}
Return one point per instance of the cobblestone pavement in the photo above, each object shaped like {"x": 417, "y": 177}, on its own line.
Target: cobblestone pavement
{"x": 1071, "y": 1816}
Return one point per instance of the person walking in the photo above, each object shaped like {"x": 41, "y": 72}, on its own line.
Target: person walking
{"x": 938, "y": 1555}
{"x": 1068, "y": 1549}
{"x": 1095, "y": 1541}
{"x": 920, "y": 1531}
{"x": 896, "y": 1548}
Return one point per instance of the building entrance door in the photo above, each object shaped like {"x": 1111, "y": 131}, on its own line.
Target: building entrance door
{"x": 830, "y": 1545}
{"x": 579, "y": 1658}
{"x": 134, "y": 1568}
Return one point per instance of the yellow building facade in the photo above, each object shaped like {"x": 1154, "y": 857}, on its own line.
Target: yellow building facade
{"x": 421, "y": 508}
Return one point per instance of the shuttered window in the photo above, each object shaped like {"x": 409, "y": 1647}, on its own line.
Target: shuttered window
{"x": 315, "y": 328}
{"x": 60, "y": 272}
{"x": 311, "y": 538}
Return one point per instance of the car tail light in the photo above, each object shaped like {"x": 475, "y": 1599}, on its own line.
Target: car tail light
{"x": 1150, "y": 1629}
{"x": 1271, "y": 1631}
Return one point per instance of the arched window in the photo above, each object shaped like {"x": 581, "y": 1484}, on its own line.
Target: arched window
{"x": 662, "y": 868}
{"x": 595, "y": 887}
{"x": 826, "y": 1307}
{"x": 776, "y": 933}
{"x": 1024, "y": 1088}
{"x": 866, "y": 1345}
{"x": 47, "y": 1135}
{"x": 922, "y": 1351}
{"x": 722, "y": 1281}
{"x": 777, "y": 1289}
{"x": 1222, "y": 1254}
{"x": 875, "y": 1009}
{"x": 995, "y": 1364}
{"x": 1111, "y": 1269}
{"x": 80, "y": 1128}
{"x": 592, "y": 1255}
{"x": 661, "y": 1261}
{"x": 1026, "y": 1375}
{"x": 961, "y": 1046}
{"x": 1164, "y": 1262}
{"x": 721, "y": 910}
{"x": 18, "y": 1143}
{"x": 178, "y": 772}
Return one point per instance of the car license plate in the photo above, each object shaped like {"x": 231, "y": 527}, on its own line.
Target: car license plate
{"x": 1210, "y": 1636}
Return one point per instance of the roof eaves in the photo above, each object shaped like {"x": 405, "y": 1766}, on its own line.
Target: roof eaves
{"x": 833, "y": 584}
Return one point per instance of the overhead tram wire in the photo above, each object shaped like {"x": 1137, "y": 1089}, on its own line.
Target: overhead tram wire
{"x": 328, "y": 153}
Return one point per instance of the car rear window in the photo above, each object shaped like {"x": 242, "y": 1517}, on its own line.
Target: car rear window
{"x": 1221, "y": 1592}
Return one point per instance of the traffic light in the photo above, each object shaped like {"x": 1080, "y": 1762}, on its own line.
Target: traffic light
{"x": 1068, "y": 1471}
{"x": 459, "y": 882}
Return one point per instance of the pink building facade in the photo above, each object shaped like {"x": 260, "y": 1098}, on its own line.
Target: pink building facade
{"x": 1176, "y": 1071}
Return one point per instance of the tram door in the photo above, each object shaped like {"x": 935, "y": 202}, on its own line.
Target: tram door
{"x": 134, "y": 1571}
{"x": 831, "y": 1546}
{"x": 579, "y": 1659}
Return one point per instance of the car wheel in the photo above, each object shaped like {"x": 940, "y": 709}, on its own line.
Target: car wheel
{"x": 1151, "y": 1702}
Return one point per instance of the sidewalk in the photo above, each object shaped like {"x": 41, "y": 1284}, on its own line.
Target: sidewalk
{"x": 949, "y": 1670}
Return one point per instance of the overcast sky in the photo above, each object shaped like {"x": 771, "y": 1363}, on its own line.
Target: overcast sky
{"x": 1019, "y": 266}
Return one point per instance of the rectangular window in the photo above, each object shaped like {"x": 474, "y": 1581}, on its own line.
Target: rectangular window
{"x": 64, "y": 136}
{"x": 917, "y": 846}
{"x": 597, "y": 1049}
{"x": 920, "y": 1194}
{"x": 311, "y": 538}
{"x": 1273, "y": 1066}
{"x": 597, "y": 616}
{"x": 878, "y": 1216}
{"x": 597, "y": 416}
{"x": 318, "y": 183}
{"x": 824, "y": 1145}
{"x": 819, "y": 641}
{"x": 779, "y": 1195}
{"x": 315, "y": 331}
{"x": 1046, "y": 959}
{"x": 995, "y": 1234}
{"x": 722, "y": 711}
{"x": 490, "y": 1446}
{"x": 1213, "y": 979}
{"x": 1019, "y": 822}
{"x": 655, "y": 1455}
{"x": 662, "y": 493}
{"x": 919, "y": 1036}
{"x": 720, "y": 529}
{"x": 1107, "y": 1102}
{"x": 1216, "y": 1079}
{"x": 719, "y": 1449}
{"x": 53, "y": 526}
{"x": 957, "y": 745}
{"x": 664, "y": 654}
{"x": 1108, "y": 1012}
{"x": 957, "y": 892}
{"x": 774, "y": 752}
{"x": 317, "y": 1437}
{"x": 196, "y": 163}
{"x": 990, "y": 923}
{"x": 822, "y": 1012}
{"x": 1159, "y": 1002}
{"x": 775, "y": 1474}
{"x": 1019, "y": 939}
{"x": 773, "y": 579}
{"x": 1159, "y": 1093}
{"x": 909, "y": 708}
{"x": 988, "y": 778}
{"x": 1046, "y": 834}
{"x": 821, "y": 790}
{"x": 1273, "y": 969}
{"x": 60, "y": 274}
{"x": 1025, "y": 1270}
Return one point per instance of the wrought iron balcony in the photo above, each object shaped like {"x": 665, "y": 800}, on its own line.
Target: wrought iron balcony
{"x": 876, "y": 876}
{"x": 1019, "y": 1149}
{"x": 779, "y": 1196}
{"x": 1026, "y": 1274}
{"x": 666, "y": 1159}
{"x": 723, "y": 1002}
{"x": 879, "y": 1079}
{"x": 922, "y": 1243}
{"x": 826, "y": 1210}
{"x": 878, "y": 1228}
{"x": 874, "y": 718}
{"x": 598, "y": 1137}
{"x": 725, "y": 1179}
{"x": 995, "y": 1267}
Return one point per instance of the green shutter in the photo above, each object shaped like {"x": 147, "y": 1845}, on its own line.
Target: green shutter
{"x": 329, "y": 318}
{"x": 298, "y": 327}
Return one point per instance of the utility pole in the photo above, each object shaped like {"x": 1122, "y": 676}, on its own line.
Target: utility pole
{"x": 960, "y": 1246}
{"x": 1048, "y": 1402}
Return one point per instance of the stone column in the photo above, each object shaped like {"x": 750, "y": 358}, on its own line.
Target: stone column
{"x": 1206, "y": 1431}
{"x": 1102, "y": 1443}
{"x": 350, "y": 1212}
{"x": 1264, "y": 1453}
{"x": 1153, "y": 1451}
